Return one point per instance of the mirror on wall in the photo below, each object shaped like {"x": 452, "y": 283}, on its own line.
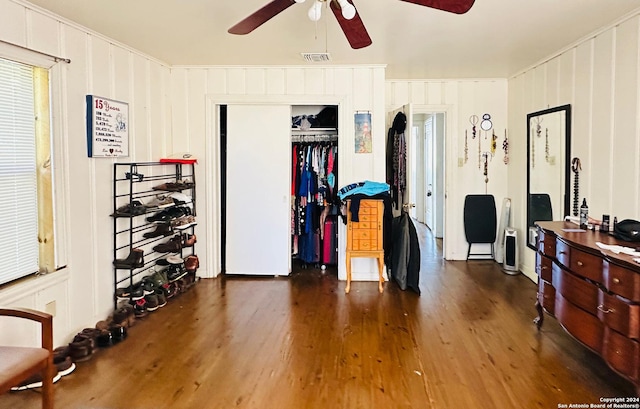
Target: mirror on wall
{"x": 548, "y": 166}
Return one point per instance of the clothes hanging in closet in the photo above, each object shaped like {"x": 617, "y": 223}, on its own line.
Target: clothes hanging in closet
{"x": 314, "y": 196}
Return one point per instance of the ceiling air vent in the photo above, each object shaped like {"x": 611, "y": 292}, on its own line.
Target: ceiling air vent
{"x": 316, "y": 57}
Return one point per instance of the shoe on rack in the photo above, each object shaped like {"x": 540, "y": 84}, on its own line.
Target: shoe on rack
{"x": 179, "y": 211}
{"x": 133, "y": 292}
{"x": 162, "y": 298}
{"x": 176, "y": 272}
{"x": 135, "y": 259}
{"x": 139, "y": 308}
{"x": 152, "y": 302}
{"x": 158, "y": 278}
{"x": 180, "y": 198}
{"x": 178, "y": 186}
{"x": 134, "y": 208}
{"x": 191, "y": 263}
{"x": 147, "y": 286}
{"x": 188, "y": 240}
{"x": 183, "y": 222}
{"x": 161, "y": 230}
{"x": 171, "y": 246}
{"x": 162, "y": 216}
{"x": 160, "y": 202}
{"x": 173, "y": 260}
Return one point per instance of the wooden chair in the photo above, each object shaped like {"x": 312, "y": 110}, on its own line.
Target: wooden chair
{"x": 19, "y": 363}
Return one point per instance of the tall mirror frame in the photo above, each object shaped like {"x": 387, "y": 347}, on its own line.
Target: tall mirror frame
{"x": 548, "y": 167}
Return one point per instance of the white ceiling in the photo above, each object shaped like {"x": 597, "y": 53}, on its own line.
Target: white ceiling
{"x": 495, "y": 39}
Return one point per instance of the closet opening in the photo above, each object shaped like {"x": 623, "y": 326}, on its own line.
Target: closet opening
{"x": 315, "y": 206}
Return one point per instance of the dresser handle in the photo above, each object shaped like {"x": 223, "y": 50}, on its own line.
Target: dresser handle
{"x": 544, "y": 268}
{"x": 563, "y": 252}
{"x": 580, "y": 263}
{"x": 602, "y": 308}
{"x": 616, "y": 280}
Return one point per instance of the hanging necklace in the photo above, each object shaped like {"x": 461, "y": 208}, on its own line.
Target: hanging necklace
{"x": 576, "y": 167}
{"x": 538, "y": 120}
{"x": 466, "y": 147}
{"x": 505, "y": 148}
{"x": 546, "y": 144}
{"x": 473, "y": 119}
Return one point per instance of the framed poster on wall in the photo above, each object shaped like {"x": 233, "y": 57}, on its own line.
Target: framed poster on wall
{"x": 362, "y": 124}
{"x": 107, "y": 127}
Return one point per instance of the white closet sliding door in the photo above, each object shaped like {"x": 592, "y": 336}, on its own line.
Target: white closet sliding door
{"x": 258, "y": 189}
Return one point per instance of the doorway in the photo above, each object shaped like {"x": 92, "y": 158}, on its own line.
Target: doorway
{"x": 427, "y": 132}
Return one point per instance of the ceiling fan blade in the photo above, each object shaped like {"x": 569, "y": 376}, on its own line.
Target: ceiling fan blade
{"x": 452, "y": 6}
{"x": 353, "y": 29}
{"x": 261, "y": 16}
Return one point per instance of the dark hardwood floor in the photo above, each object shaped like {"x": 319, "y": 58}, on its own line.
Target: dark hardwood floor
{"x": 299, "y": 342}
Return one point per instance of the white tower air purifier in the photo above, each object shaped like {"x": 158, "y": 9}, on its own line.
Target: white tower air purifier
{"x": 510, "y": 265}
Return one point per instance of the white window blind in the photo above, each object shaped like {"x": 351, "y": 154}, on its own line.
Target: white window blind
{"x": 18, "y": 182}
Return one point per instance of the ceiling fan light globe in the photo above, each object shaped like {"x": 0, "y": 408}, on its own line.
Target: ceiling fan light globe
{"x": 348, "y": 11}
{"x": 315, "y": 12}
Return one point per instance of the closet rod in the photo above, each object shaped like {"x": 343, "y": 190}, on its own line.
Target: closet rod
{"x": 313, "y": 138}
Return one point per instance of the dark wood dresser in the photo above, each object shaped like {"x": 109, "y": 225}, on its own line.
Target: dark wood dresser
{"x": 593, "y": 293}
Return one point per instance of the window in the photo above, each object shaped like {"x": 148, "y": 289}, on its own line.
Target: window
{"x": 25, "y": 177}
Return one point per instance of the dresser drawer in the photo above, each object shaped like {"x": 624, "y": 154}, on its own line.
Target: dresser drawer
{"x": 364, "y": 234}
{"x": 621, "y": 353}
{"x": 581, "y": 263}
{"x": 563, "y": 252}
{"x": 365, "y": 219}
{"x": 359, "y": 245}
{"x": 546, "y": 243}
{"x": 621, "y": 281}
{"x": 619, "y": 315}
{"x": 585, "y": 327}
{"x": 586, "y": 265}
{"x": 547, "y": 296}
{"x": 575, "y": 289}
{"x": 543, "y": 267}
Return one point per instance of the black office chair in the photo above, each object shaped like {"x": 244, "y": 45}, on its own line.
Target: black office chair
{"x": 480, "y": 222}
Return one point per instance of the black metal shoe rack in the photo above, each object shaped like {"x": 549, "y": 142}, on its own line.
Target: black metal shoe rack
{"x": 135, "y": 182}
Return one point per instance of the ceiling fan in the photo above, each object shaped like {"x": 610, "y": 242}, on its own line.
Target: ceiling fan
{"x": 344, "y": 11}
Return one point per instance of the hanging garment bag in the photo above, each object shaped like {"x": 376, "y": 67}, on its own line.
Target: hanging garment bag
{"x": 329, "y": 245}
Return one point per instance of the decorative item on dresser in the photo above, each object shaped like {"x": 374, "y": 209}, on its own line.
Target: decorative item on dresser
{"x": 593, "y": 292}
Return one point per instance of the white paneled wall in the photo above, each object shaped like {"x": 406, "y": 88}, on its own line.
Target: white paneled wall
{"x": 82, "y": 291}
{"x": 600, "y": 77}
{"x": 196, "y": 91}
{"x": 463, "y": 98}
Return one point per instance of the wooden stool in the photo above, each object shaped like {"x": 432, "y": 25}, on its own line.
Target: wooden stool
{"x": 364, "y": 237}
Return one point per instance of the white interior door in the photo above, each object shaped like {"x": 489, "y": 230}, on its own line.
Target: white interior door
{"x": 410, "y": 194}
{"x": 258, "y": 189}
{"x": 429, "y": 173}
